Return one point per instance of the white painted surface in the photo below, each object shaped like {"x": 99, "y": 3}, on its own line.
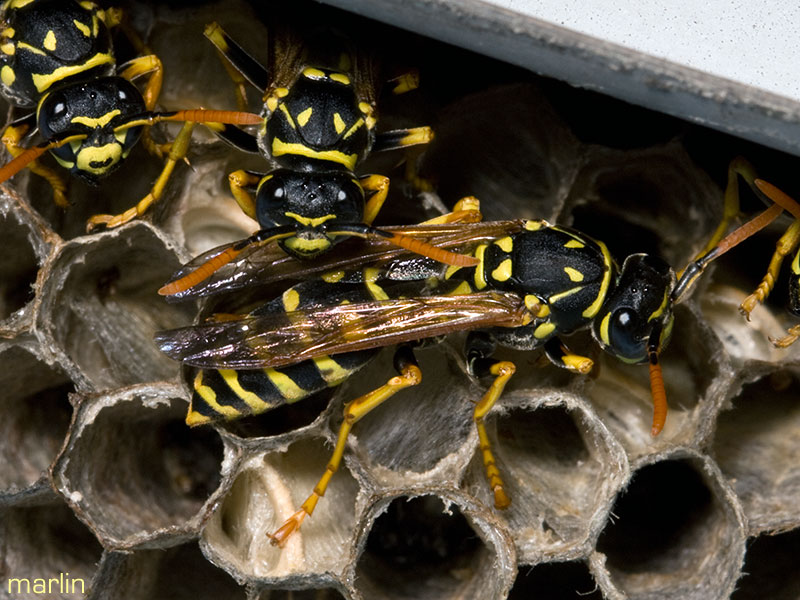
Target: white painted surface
{"x": 755, "y": 42}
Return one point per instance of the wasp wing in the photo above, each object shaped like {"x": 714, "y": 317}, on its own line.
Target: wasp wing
{"x": 266, "y": 264}
{"x": 282, "y": 338}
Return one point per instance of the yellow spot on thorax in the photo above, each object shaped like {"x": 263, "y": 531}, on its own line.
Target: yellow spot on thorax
{"x": 574, "y": 244}
{"x": 96, "y": 122}
{"x": 281, "y": 92}
{"x": 9, "y": 48}
{"x": 304, "y": 116}
{"x": 506, "y": 244}
{"x": 340, "y": 78}
{"x": 543, "y": 330}
{"x": 338, "y": 123}
{"x": 561, "y": 295}
{"x": 280, "y": 148}
{"x": 536, "y": 306}
{"x": 272, "y": 103}
{"x": 573, "y": 274}
{"x": 50, "y": 41}
{"x": 31, "y": 49}
{"x": 45, "y": 80}
{"x": 503, "y": 271}
{"x": 535, "y": 225}
{"x": 313, "y": 73}
{"x": 309, "y": 221}
{"x": 7, "y": 75}
{"x": 82, "y": 27}
{"x": 8, "y": 32}
{"x": 451, "y": 270}
{"x": 356, "y": 126}
{"x": 365, "y": 108}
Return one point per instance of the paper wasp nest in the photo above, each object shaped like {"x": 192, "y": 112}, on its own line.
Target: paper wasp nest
{"x": 100, "y": 478}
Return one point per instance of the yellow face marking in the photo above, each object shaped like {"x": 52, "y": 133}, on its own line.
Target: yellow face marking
{"x": 506, "y": 244}
{"x": 31, "y": 49}
{"x": 503, "y": 271}
{"x": 331, "y": 371}
{"x": 252, "y": 400}
{"x": 308, "y": 221}
{"x": 280, "y": 148}
{"x": 594, "y": 307}
{"x": 285, "y": 386}
{"x": 7, "y": 75}
{"x": 370, "y": 277}
{"x": 98, "y": 154}
{"x": 561, "y": 295}
{"x": 543, "y": 330}
{"x": 356, "y": 126}
{"x": 313, "y": 73}
{"x": 272, "y": 103}
{"x": 332, "y": 276}
{"x": 463, "y": 288}
{"x": 99, "y": 121}
{"x": 604, "y": 329}
{"x": 81, "y": 27}
{"x": 660, "y": 310}
{"x": 365, "y": 108}
{"x": 120, "y": 135}
{"x": 303, "y": 246}
{"x": 50, "y": 41}
{"x": 340, "y": 78}
{"x": 338, "y": 123}
{"x": 210, "y": 398}
{"x": 534, "y": 225}
{"x": 9, "y": 48}
{"x": 291, "y": 300}
{"x": 44, "y": 81}
{"x": 480, "y": 280}
{"x": 288, "y": 116}
{"x": 304, "y": 116}
{"x": 573, "y": 274}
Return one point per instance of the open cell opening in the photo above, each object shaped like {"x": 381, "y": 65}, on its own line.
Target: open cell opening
{"x": 19, "y": 266}
{"x": 135, "y": 470}
{"x": 669, "y": 535}
{"x": 555, "y": 581}
{"x": 45, "y": 542}
{"x": 770, "y": 568}
{"x": 755, "y": 446}
{"x": 419, "y": 548}
{"x": 36, "y": 416}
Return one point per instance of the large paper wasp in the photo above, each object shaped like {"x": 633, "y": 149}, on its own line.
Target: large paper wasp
{"x": 58, "y": 65}
{"x": 534, "y": 282}
{"x": 320, "y": 100}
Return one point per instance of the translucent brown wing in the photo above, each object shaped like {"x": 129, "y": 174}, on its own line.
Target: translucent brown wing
{"x": 265, "y": 264}
{"x": 282, "y": 338}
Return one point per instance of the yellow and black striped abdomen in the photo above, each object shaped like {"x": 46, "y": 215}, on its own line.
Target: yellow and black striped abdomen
{"x": 227, "y": 394}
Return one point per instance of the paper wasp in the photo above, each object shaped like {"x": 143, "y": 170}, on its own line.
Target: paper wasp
{"x": 534, "y": 282}
{"x": 319, "y": 124}
{"x": 58, "y": 63}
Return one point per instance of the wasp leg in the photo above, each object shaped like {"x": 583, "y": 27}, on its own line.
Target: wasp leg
{"x": 138, "y": 67}
{"x": 250, "y": 68}
{"x": 378, "y": 186}
{"x": 790, "y": 338}
{"x": 479, "y": 347}
{"x": 176, "y": 153}
{"x": 466, "y": 210}
{"x": 787, "y": 243}
{"x": 405, "y": 82}
{"x": 11, "y": 139}
{"x": 239, "y": 182}
{"x": 561, "y": 356}
{"x": 354, "y": 411}
{"x": 402, "y": 138}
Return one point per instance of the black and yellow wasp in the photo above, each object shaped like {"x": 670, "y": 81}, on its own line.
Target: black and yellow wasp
{"x": 320, "y": 98}
{"x": 57, "y": 64}
{"x": 534, "y": 282}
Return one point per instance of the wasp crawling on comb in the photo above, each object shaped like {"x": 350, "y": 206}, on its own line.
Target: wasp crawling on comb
{"x": 534, "y": 282}
{"x": 58, "y": 63}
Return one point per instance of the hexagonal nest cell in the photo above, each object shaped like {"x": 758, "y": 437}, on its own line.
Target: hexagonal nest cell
{"x": 101, "y": 481}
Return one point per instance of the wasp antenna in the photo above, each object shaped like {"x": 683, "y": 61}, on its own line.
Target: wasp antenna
{"x": 441, "y": 255}
{"x": 199, "y": 115}
{"x": 779, "y": 197}
{"x": 201, "y": 273}
{"x": 659, "y": 396}
{"x": 16, "y": 165}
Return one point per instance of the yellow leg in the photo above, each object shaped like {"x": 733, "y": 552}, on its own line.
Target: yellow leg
{"x": 502, "y": 370}
{"x": 239, "y": 82}
{"x": 353, "y": 413}
{"x": 11, "y": 138}
{"x": 466, "y": 210}
{"x": 238, "y": 181}
{"x": 790, "y": 338}
{"x": 786, "y": 244}
{"x": 177, "y": 152}
{"x": 404, "y": 83}
{"x": 379, "y": 186}
{"x": 137, "y": 67}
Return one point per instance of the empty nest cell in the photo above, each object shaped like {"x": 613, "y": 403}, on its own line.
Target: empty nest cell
{"x": 134, "y": 472}
{"x": 770, "y": 568}
{"x": 555, "y": 581}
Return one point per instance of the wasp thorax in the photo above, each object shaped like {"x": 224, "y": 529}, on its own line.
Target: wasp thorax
{"x": 638, "y": 309}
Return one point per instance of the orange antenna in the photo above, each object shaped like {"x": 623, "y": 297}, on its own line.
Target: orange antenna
{"x": 779, "y": 197}
{"x": 14, "y": 166}
{"x": 199, "y": 115}
{"x": 659, "y": 396}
